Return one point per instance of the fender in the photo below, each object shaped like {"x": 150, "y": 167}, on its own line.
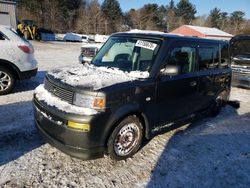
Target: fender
{"x": 121, "y": 113}
{"x": 12, "y": 67}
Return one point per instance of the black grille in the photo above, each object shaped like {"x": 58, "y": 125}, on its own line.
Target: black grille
{"x": 62, "y": 93}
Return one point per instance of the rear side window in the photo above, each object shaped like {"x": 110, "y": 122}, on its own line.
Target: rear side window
{"x": 224, "y": 56}
{"x": 209, "y": 57}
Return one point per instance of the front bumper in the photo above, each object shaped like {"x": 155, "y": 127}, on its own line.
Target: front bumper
{"x": 241, "y": 80}
{"x": 52, "y": 126}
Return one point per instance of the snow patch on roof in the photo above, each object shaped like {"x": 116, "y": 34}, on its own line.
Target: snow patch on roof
{"x": 138, "y": 31}
{"x": 145, "y": 31}
{"x": 95, "y": 77}
{"x": 43, "y": 95}
{"x": 209, "y": 31}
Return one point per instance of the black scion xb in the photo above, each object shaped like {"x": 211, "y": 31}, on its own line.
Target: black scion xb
{"x": 138, "y": 85}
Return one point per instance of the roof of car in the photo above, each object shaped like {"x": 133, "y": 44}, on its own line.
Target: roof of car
{"x": 158, "y": 34}
{"x": 240, "y": 37}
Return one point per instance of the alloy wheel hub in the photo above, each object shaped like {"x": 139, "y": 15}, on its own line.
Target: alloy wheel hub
{"x": 5, "y": 81}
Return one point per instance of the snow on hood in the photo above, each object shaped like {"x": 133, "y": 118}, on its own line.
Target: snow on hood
{"x": 43, "y": 95}
{"x": 95, "y": 77}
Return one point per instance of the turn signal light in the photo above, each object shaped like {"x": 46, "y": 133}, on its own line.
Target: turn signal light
{"x": 79, "y": 126}
{"x": 99, "y": 103}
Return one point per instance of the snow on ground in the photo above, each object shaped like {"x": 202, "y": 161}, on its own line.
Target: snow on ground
{"x": 213, "y": 152}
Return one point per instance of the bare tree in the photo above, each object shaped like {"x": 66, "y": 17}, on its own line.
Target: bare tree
{"x": 91, "y": 19}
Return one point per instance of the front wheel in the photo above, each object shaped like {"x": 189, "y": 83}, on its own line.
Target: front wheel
{"x": 126, "y": 139}
{"x": 7, "y": 81}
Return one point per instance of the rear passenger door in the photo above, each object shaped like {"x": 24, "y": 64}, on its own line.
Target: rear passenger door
{"x": 177, "y": 95}
{"x": 211, "y": 79}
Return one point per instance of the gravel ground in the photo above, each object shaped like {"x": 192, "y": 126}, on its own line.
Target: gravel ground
{"x": 213, "y": 152}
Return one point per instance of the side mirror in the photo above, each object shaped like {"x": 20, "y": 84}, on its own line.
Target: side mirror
{"x": 170, "y": 70}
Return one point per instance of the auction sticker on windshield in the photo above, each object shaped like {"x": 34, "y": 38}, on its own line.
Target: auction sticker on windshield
{"x": 146, "y": 44}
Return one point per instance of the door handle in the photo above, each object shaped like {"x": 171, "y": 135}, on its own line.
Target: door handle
{"x": 193, "y": 83}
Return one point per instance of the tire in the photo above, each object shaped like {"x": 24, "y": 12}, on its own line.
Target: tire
{"x": 126, "y": 139}
{"x": 7, "y": 81}
{"x": 216, "y": 108}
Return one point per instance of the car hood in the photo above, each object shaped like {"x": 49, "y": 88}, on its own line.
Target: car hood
{"x": 93, "y": 77}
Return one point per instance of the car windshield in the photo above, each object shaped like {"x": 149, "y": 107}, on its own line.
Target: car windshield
{"x": 128, "y": 54}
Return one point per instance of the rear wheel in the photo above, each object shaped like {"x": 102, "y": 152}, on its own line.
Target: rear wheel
{"x": 7, "y": 81}
{"x": 126, "y": 139}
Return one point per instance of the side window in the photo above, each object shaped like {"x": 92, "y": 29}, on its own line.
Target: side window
{"x": 145, "y": 59}
{"x": 205, "y": 58}
{"x": 209, "y": 57}
{"x": 224, "y": 56}
{"x": 183, "y": 58}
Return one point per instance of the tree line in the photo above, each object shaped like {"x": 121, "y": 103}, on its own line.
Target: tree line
{"x": 91, "y": 17}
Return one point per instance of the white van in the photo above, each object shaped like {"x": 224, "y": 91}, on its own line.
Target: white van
{"x": 74, "y": 37}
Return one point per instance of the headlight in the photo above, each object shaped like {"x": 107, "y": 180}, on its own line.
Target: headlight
{"x": 89, "y": 101}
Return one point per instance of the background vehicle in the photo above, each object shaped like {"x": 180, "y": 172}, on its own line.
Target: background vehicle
{"x": 88, "y": 51}
{"x": 17, "y": 60}
{"x": 240, "y": 55}
{"x": 29, "y": 31}
{"x": 74, "y": 37}
{"x": 98, "y": 38}
{"x": 138, "y": 85}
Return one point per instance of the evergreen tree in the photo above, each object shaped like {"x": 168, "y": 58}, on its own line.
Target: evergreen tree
{"x": 215, "y": 18}
{"x": 171, "y": 5}
{"x": 113, "y": 14}
{"x": 186, "y": 11}
{"x": 149, "y": 17}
